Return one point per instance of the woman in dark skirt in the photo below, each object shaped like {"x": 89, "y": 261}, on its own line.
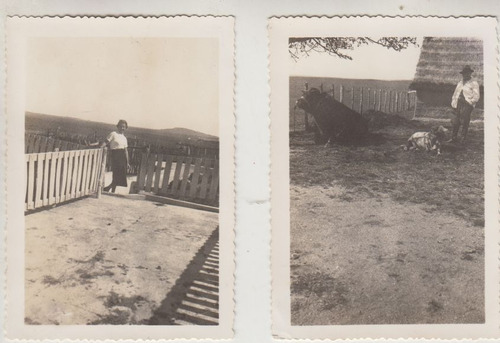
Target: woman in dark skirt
{"x": 119, "y": 156}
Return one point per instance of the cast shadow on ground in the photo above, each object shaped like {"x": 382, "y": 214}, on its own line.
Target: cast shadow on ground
{"x": 194, "y": 298}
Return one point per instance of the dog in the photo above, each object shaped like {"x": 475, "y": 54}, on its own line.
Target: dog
{"x": 430, "y": 141}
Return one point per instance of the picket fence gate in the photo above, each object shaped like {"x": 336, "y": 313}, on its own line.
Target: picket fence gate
{"x": 55, "y": 177}
{"x": 194, "y": 179}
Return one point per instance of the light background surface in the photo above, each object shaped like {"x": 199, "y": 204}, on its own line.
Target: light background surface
{"x": 252, "y": 288}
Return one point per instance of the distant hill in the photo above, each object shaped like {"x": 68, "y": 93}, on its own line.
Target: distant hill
{"x": 41, "y": 123}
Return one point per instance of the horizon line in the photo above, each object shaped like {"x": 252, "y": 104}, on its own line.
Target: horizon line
{"x": 114, "y": 124}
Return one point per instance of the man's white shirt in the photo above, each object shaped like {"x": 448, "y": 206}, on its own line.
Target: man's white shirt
{"x": 471, "y": 93}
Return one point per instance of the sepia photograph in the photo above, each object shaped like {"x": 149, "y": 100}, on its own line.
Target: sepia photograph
{"x": 393, "y": 169}
{"x": 123, "y": 171}
{"x": 386, "y": 190}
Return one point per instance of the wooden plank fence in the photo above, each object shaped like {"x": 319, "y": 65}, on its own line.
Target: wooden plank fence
{"x": 364, "y": 99}
{"x": 194, "y": 179}
{"x": 56, "y": 177}
{"x": 34, "y": 144}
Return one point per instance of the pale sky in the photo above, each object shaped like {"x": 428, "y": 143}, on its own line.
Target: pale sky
{"x": 368, "y": 62}
{"x": 150, "y": 82}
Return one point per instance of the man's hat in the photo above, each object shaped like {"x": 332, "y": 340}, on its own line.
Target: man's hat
{"x": 467, "y": 70}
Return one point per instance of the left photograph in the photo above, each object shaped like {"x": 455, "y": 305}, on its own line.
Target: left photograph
{"x": 120, "y": 175}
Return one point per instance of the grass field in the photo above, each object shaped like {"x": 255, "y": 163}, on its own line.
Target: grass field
{"x": 382, "y": 235}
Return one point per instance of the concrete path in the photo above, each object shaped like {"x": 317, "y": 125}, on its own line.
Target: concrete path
{"x": 116, "y": 260}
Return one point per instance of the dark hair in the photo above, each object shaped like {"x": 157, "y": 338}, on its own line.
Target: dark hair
{"x": 121, "y": 121}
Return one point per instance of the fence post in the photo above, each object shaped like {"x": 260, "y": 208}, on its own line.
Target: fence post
{"x": 352, "y": 98}
{"x": 333, "y": 91}
{"x": 368, "y": 106}
{"x": 101, "y": 181}
{"x": 414, "y": 99}
{"x": 361, "y": 100}
{"x": 321, "y": 88}
{"x": 379, "y": 99}
{"x": 341, "y": 96}
{"x": 306, "y": 116}
{"x": 391, "y": 101}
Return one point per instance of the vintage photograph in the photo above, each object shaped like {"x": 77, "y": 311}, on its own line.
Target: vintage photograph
{"x": 386, "y": 190}
{"x": 386, "y": 181}
{"x": 124, "y": 164}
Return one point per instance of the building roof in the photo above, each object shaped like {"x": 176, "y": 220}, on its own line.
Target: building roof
{"x": 442, "y": 59}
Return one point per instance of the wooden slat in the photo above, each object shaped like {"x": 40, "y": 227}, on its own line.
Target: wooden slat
{"x": 207, "y": 170}
{"x": 71, "y": 170}
{"x": 158, "y": 167}
{"x": 74, "y": 175}
{"x": 96, "y": 172}
{"x": 185, "y": 175}
{"x": 101, "y": 158}
{"x": 45, "y": 189}
{"x": 58, "y": 180}
{"x": 150, "y": 172}
{"x": 85, "y": 171}
{"x": 141, "y": 177}
{"x": 88, "y": 180}
{"x": 93, "y": 168}
{"x": 177, "y": 175}
{"x": 39, "y": 180}
{"x": 31, "y": 181}
{"x": 52, "y": 180}
{"x": 214, "y": 185}
{"x": 79, "y": 173}
{"x": 65, "y": 175}
{"x": 196, "y": 177}
{"x": 166, "y": 174}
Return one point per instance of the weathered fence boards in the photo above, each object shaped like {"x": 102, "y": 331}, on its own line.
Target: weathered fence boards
{"x": 364, "y": 99}
{"x": 55, "y": 177}
{"x": 35, "y": 144}
{"x": 194, "y": 179}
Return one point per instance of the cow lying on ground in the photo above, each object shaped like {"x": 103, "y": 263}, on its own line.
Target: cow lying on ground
{"x": 335, "y": 121}
{"x": 428, "y": 141}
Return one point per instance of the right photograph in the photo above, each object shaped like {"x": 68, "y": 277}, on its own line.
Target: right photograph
{"x": 386, "y": 180}
{"x": 385, "y": 202}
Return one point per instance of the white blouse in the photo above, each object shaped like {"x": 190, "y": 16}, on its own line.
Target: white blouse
{"x": 117, "y": 140}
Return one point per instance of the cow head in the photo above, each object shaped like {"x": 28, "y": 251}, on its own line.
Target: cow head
{"x": 308, "y": 99}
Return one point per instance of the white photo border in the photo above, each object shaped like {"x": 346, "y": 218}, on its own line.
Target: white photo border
{"x": 18, "y": 30}
{"x": 280, "y": 29}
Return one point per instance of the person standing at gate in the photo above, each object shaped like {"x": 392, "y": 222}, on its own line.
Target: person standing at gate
{"x": 119, "y": 156}
{"x": 464, "y": 100}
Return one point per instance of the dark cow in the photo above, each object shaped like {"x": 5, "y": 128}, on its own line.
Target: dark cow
{"x": 335, "y": 121}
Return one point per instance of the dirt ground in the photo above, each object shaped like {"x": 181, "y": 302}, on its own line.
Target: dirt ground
{"x": 116, "y": 260}
{"x": 384, "y": 236}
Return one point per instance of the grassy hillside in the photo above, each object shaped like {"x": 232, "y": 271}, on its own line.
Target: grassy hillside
{"x": 41, "y": 123}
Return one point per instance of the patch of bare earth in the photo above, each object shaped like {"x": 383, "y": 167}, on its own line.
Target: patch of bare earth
{"x": 384, "y": 236}
{"x": 108, "y": 261}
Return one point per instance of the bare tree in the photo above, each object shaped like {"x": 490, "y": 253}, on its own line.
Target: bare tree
{"x": 336, "y": 46}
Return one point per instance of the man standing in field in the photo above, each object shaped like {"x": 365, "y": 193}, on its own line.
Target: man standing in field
{"x": 463, "y": 101}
